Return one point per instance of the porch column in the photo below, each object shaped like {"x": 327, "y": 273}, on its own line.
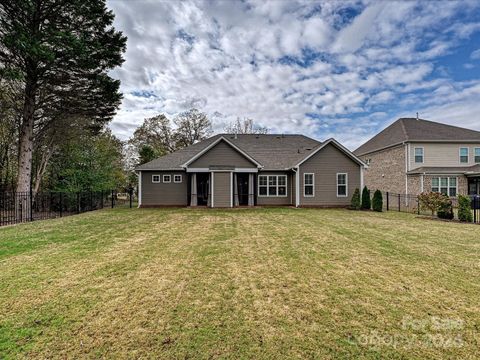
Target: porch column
{"x": 210, "y": 190}
{"x": 251, "y": 189}
{"x": 193, "y": 191}
{"x": 236, "y": 202}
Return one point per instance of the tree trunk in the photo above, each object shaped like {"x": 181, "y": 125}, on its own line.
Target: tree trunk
{"x": 47, "y": 154}
{"x": 25, "y": 149}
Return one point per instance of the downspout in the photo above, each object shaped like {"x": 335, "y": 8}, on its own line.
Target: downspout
{"x": 297, "y": 186}
{"x": 139, "y": 189}
{"x": 407, "y": 161}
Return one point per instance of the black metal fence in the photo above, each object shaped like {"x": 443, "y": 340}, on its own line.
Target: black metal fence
{"x": 410, "y": 203}
{"x": 24, "y": 207}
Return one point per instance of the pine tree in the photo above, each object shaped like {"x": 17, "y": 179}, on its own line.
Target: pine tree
{"x": 60, "y": 53}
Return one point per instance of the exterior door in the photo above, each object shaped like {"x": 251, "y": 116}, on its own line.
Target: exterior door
{"x": 474, "y": 186}
{"x": 202, "y": 188}
{"x": 242, "y": 184}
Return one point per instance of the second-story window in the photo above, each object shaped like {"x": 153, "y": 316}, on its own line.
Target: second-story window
{"x": 464, "y": 155}
{"x": 418, "y": 155}
{"x": 477, "y": 155}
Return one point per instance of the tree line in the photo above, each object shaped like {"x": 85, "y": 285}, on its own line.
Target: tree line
{"x": 57, "y": 98}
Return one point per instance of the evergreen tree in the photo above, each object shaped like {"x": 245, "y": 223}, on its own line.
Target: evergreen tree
{"x": 60, "y": 53}
{"x": 366, "y": 203}
{"x": 377, "y": 203}
{"x": 355, "y": 203}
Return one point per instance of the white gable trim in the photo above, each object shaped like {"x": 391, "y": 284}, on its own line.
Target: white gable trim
{"x": 215, "y": 143}
{"x": 340, "y": 147}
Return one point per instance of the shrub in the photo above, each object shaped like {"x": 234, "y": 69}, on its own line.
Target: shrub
{"x": 464, "y": 209}
{"x": 432, "y": 201}
{"x": 356, "y": 200}
{"x": 445, "y": 209}
{"x": 366, "y": 203}
{"x": 377, "y": 202}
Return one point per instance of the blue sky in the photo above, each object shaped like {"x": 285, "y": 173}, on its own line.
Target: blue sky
{"x": 325, "y": 69}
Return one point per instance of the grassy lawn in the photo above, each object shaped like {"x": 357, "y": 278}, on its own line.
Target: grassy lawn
{"x": 262, "y": 283}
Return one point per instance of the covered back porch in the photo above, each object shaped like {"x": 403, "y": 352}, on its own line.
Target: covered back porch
{"x": 221, "y": 187}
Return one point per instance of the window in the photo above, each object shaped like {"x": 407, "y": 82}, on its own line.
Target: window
{"x": 272, "y": 185}
{"x": 477, "y": 155}
{"x": 167, "y": 178}
{"x": 464, "y": 155}
{"x": 155, "y": 178}
{"x": 177, "y": 178}
{"x": 308, "y": 185}
{"x": 445, "y": 185}
{"x": 418, "y": 155}
{"x": 342, "y": 185}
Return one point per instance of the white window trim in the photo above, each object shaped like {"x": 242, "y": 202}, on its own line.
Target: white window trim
{"x": 448, "y": 184}
{"x": 169, "y": 181}
{"x": 346, "y": 185}
{"x": 175, "y": 181}
{"x": 268, "y": 186}
{"x": 415, "y": 155}
{"x": 460, "y": 154}
{"x": 313, "y": 185}
{"x": 474, "y": 152}
{"x": 159, "y": 178}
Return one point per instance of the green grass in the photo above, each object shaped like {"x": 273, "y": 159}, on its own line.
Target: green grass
{"x": 261, "y": 283}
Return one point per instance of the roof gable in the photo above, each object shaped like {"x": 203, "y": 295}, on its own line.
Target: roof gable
{"x": 412, "y": 129}
{"x": 339, "y": 146}
{"x": 222, "y": 153}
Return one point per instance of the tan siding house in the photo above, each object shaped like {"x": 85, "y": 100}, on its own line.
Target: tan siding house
{"x": 231, "y": 170}
{"x": 412, "y": 156}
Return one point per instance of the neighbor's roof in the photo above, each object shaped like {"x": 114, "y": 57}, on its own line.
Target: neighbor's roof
{"x": 274, "y": 152}
{"x": 437, "y": 170}
{"x": 411, "y": 129}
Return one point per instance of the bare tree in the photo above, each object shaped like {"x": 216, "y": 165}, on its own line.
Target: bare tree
{"x": 245, "y": 126}
{"x": 192, "y": 126}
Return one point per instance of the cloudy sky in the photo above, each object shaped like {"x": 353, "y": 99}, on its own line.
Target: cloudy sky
{"x": 325, "y": 69}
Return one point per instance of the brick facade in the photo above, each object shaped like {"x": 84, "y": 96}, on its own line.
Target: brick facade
{"x": 386, "y": 171}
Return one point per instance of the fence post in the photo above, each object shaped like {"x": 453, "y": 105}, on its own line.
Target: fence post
{"x": 61, "y": 204}
{"x": 130, "y": 191}
{"x": 418, "y": 205}
{"x": 101, "y": 199}
{"x": 112, "y": 200}
{"x": 31, "y": 203}
{"x": 388, "y": 201}
{"x": 78, "y": 202}
{"x": 399, "y": 202}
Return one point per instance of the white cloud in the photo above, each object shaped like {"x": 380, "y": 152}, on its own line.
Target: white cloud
{"x": 293, "y": 66}
{"x": 475, "y": 55}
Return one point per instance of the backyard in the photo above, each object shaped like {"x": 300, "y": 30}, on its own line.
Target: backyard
{"x": 260, "y": 283}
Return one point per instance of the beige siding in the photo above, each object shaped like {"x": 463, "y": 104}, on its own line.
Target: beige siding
{"x": 222, "y": 189}
{"x": 222, "y": 154}
{"x": 164, "y": 194}
{"x": 275, "y": 200}
{"x": 441, "y": 154}
{"x": 325, "y": 165}
{"x": 386, "y": 171}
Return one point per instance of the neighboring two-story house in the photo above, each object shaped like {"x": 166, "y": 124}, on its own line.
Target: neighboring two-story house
{"x": 414, "y": 155}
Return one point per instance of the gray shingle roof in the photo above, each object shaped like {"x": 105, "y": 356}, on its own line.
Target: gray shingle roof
{"x": 274, "y": 152}
{"x": 411, "y": 129}
{"x": 474, "y": 169}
